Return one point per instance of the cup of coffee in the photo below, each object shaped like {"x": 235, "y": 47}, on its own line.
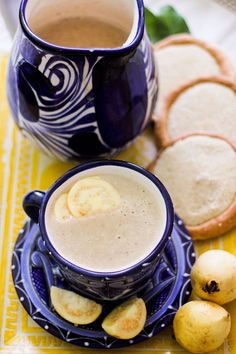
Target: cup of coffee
{"x": 82, "y": 81}
{"x": 106, "y": 224}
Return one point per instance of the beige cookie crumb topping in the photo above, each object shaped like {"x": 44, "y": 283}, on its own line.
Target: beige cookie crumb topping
{"x": 207, "y": 107}
{"x": 200, "y": 174}
{"x": 180, "y": 63}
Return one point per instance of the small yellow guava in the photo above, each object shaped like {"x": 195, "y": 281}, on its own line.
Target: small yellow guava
{"x": 214, "y": 276}
{"x": 201, "y": 326}
{"x": 127, "y": 320}
{"x": 73, "y": 307}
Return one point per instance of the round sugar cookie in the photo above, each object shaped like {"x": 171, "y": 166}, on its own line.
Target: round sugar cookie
{"x": 182, "y": 58}
{"x": 199, "y": 171}
{"x": 205, "y": 105}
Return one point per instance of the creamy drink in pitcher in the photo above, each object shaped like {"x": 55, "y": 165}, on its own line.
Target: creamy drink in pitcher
{"x": 79, "y": 32}
{"x": 57, "y": 24}
{"x": 105, "y": 222}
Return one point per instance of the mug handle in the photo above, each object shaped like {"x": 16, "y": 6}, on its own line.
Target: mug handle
{"x": 32, "y": 203}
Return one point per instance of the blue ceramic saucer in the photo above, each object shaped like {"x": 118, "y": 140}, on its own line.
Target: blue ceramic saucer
{"x": 34, "y": 273}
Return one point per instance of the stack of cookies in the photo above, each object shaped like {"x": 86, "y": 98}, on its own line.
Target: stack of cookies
{"x": 195, "y": 125}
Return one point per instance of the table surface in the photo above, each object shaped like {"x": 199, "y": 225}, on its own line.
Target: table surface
{"x": 22, "y": 168}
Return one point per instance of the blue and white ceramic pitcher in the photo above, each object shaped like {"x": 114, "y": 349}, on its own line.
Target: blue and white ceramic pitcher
{"x": 75, "y": 102}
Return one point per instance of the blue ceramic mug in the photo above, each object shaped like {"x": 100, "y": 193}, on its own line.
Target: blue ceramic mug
{"x": 78, "y": 102}
{"x": 104, "y": 285}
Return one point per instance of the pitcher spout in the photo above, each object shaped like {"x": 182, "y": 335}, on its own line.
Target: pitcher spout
{"x": 125, "y": 15}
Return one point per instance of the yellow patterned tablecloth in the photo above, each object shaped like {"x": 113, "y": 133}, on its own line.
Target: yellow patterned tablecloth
{"x": 22, "y": 168}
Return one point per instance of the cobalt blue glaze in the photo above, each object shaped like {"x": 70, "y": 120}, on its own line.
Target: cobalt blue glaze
{"x": 32, "y": 203}
{"x": 103, "y": 286}
{"x": 34, "y": 272}
{"x": 107, "y": 101}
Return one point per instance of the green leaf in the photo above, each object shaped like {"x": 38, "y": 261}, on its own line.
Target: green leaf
{"x": 167, "y": 22}
{"x": 151, "y": 25}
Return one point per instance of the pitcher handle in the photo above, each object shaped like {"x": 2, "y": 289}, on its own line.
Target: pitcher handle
{"x": 32, "y": 203}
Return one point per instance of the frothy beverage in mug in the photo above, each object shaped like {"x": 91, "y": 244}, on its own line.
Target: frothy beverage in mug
{"x": 121, "y": 220}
